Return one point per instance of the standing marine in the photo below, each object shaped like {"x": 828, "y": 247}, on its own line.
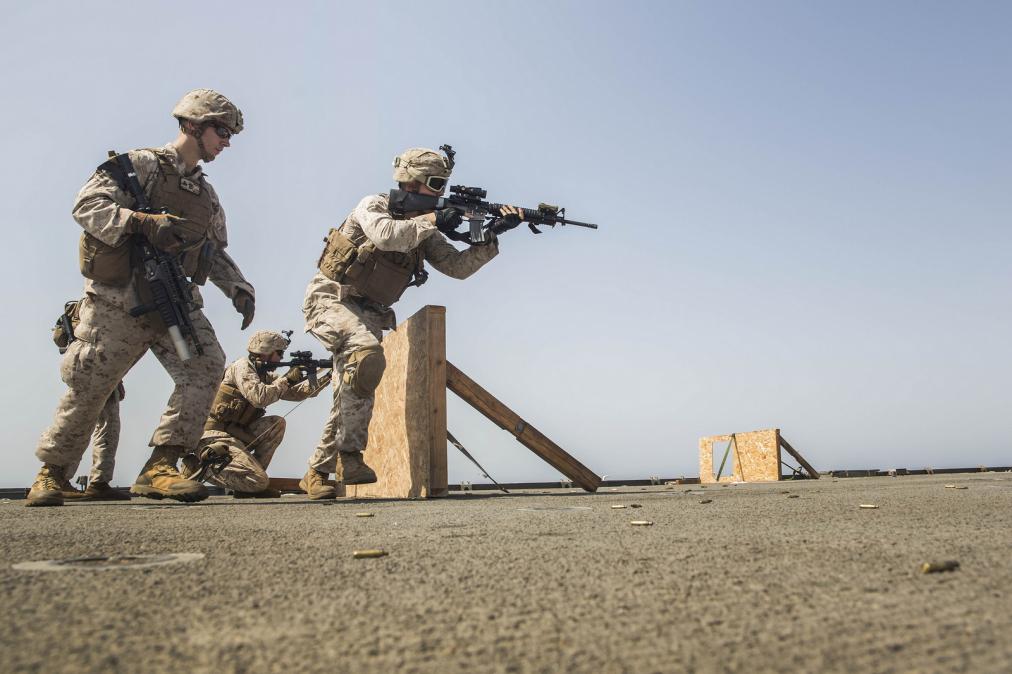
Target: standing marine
{"x": 366, "y": 265}
{"x": 186, "y": 221}
{"x": 105, "y": 437}
{"x": 237, "y": 428}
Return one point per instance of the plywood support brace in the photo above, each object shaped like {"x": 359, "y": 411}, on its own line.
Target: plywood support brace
{"x": 786, "y": 446}
{"x": 531, "y": 438}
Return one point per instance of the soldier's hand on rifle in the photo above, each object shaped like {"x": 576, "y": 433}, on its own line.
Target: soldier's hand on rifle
{"x": 244, "y": 304}
{"x": 163, "y": 230}
{"x": 322, "y": 380}
{"x": 509, "y": 217}
{"x": 295, "y": 375}
{"x": 448, "y": 219}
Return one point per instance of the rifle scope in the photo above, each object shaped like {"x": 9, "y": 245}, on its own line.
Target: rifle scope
{"x": 468, "y": 191}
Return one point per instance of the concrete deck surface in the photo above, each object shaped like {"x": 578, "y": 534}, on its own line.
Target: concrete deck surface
{"x": 755, "y": 581}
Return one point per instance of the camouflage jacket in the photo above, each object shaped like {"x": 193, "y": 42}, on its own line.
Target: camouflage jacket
{"x": 372, "y": 217}
{"x": 103, "y": 209}
{"x": 265, "y": 390}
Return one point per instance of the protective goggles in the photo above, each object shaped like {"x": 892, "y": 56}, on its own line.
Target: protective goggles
{"x": 222, "y": 132}
{"x": 436, "y": 183}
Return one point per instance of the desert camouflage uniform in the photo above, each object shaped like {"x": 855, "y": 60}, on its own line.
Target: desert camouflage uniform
{"x": 104, "y": 441}
{"x": 345, "y": 323}
{"x": 251, "y": 454}
{"x": 110, "y": 341}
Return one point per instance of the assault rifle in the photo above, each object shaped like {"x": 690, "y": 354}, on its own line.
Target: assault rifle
{"x": 480, "y": 214}
{"x": 305, "y": 360}
{"x": 171, "y": 291}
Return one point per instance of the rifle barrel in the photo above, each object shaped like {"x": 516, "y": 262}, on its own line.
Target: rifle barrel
{"x": 589, "y": 225}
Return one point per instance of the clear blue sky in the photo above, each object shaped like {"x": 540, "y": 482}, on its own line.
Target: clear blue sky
{"x": 804, "y": 209}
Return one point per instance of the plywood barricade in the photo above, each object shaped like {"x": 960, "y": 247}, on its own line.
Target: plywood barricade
{"x": 408, "y": 436}
{"x": 754, "y": 457}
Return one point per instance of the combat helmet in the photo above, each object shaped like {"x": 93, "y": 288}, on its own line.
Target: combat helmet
{"x": 208, "y": 106}
{"x": 420, "y": 164}
{"x": 267, "y": 341}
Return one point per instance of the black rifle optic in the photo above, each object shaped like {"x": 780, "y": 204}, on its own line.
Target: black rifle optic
{"x": 480, "y": 214}
{"x": 303, "y": 359}
{"x": 171, "y": 291}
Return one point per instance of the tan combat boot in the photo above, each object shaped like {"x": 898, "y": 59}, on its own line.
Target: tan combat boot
{"x": 160, "y": 479}
{"x": 45, "y": 490}
{"x": 354, "y": 470}
{"x": 68, "y": 490}
{"x": 315, "y": 485}
{"x": 101, "y": 491}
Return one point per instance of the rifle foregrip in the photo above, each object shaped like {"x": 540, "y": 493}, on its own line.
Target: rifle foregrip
{"x": 163, "y": 303}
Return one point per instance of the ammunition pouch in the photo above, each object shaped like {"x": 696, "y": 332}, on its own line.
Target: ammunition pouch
{"x": 380, "y": 276}
{"x": 240, "y": 432}
{"x": 107, "y": 264}
{"x": 230, "y": 407}
{"x": 203, "y": 261}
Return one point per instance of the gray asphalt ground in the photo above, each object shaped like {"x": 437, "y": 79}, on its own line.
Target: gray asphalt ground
{"x": 754, "y": 581}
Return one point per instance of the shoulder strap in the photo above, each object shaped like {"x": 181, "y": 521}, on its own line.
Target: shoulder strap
{"x": 121, "y": 168}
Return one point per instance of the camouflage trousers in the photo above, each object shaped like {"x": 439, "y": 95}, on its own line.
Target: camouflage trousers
{"x": 104, "y": 441}
{"x": 109, "y": 342}
{"x": 247, "y": 470}
{"x": 344, "y": 327}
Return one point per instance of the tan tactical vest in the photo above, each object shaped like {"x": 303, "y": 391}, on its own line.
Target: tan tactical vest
{"x": 232, "y": 413}
{"x": 382, "y": 276}
{"x": 177, "y": 194}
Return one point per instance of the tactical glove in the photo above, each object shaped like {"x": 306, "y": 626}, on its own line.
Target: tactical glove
{"x": 295, "y": 375}
{"x": 244, "y": 304}
{"x": 161, "y": 229}
{"x": 216, "y": 454}
{"x": 447, "y": 220}
{"x": 505, "y": 223}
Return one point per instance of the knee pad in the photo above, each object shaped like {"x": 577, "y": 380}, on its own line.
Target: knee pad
{"x": 364, "y": 370}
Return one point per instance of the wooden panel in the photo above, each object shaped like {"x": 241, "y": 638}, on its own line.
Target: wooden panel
{"x": 756, "y": 457}
{"x": 530, "y": 437}
{"x": 438, "y": 469}
{"x": 407, "y": 435}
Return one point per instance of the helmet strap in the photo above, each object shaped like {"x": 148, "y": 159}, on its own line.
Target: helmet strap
{"x": 198, "y": 135}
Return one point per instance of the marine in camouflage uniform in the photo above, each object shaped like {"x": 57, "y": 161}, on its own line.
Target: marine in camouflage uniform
{"x": 105, "y": 437}
{"x": 109, "y": 339}
{"x": 104, "y": 442}
{"x": 366, "y": 265}
{"x": 237, "y": 427}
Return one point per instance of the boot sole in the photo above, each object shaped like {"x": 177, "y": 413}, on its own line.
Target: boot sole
{"x": 158, "y": 494}
{"x": 44, "y": 501}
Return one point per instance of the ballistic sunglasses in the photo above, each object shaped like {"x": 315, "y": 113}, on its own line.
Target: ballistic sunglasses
{"x": 222, "y": 132}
